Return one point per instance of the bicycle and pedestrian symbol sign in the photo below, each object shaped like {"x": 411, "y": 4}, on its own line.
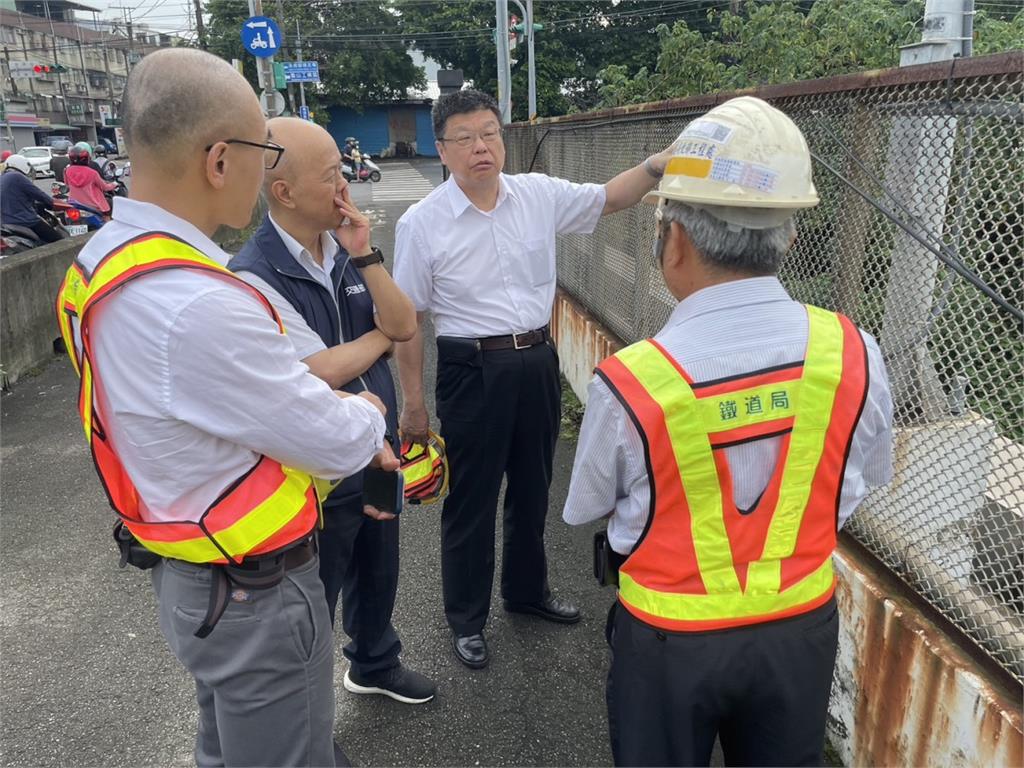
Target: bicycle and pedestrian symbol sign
{"x": 261, "y": 36}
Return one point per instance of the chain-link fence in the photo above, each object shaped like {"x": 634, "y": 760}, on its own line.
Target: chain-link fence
{"x": 918, "y": 238}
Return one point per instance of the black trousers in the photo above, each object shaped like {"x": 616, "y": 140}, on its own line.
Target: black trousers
{"x": 359, "y": 562}
{"x": 500, "y": 414}
{"x": 763, "y": 690}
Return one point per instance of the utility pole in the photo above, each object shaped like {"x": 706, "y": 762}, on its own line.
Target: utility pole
{"x": 264, "y": 66}
{"x": 527, "y": 12}
{"x": 920, "y": 159}
{"x": 200, "y": 31}
{"x": 289, "y": 87}
{"x": 298, "y": 57}
{"x": 56, "y": 62}
{"x": 7, "y": 117}
{"x": 126, "y": 16}
{"x": 504, "y": 66}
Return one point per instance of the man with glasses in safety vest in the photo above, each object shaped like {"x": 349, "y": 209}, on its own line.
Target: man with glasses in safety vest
{"x": 191, "y": 397}
{"x": 727, "y": 451}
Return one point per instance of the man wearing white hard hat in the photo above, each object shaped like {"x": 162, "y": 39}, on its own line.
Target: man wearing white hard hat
{"x": 727, "y": 451}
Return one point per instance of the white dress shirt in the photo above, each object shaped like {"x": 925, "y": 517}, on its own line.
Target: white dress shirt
{"x": 490, "y": 273}
{"x": 197, "y": 382}
{"x": 727, "y": 329}
{"x": 305, "y": 340}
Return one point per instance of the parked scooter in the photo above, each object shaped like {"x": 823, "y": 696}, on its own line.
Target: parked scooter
{"x": 15, "y": 238}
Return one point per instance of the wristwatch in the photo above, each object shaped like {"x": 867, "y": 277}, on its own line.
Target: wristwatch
{"x": 374, "y": 257}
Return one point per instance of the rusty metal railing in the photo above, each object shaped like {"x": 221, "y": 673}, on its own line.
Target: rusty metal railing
{"x": 921, "y": 178}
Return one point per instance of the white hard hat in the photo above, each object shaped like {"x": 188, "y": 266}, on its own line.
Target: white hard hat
{"x": 744, "y": 162}
{"x": 19, "y": 163}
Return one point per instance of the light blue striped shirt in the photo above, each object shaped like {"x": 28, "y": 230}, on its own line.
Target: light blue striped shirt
{"x": 724, "y": 330}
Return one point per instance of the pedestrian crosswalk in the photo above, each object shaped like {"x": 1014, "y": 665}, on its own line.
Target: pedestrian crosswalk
{"x": 400, "y": 182}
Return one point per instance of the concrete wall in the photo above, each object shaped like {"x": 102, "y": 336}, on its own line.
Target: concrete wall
{"x": 28, "y": 292}
{"x": 906, "y": 691}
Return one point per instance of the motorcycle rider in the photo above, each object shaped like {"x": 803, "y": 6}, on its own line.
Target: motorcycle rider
{"x": 60, "y": 160}
{"x": 18, "y": 199}
{"x": 87, "y": 147}
{"x": 85, "y": 184}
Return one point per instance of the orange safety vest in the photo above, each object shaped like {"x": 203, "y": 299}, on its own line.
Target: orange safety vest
{"x": 268, "y": 508}
{"x": 701, "y": 563}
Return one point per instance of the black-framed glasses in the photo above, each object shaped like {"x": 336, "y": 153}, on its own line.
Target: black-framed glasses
{"x": 270, "y": 160}
{"x": 465, "y": 140}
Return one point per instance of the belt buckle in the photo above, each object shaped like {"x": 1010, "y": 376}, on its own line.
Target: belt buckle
{"x": 515, "y": 340}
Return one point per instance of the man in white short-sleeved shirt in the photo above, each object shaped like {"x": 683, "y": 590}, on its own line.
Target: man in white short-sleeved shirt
{"x": 478, "y": 253}
{"x": 198, "y": 389}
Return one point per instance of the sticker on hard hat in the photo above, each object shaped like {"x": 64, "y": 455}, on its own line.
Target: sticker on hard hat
{"x": 708, "y": 129}
{"x": 694, "y": 167}
{"x": 696, "y": 149}
{"x": 743, "y": 174}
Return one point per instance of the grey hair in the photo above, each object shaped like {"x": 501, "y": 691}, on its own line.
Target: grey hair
{"x": 730, "y": 248}
{"x": 178, "y": 99}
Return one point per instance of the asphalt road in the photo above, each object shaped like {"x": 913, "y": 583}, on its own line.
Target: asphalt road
{"x": 87, "y": 678}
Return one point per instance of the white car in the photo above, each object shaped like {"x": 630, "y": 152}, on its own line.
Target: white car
{"x": 39, "y": 159}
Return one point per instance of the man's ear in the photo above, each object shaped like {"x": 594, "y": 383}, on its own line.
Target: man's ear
{"x": 281, "y": 191}
{"x": 217, "y": 165}
{"x": 440, "y": 150}
{"x": 677, "y": 247}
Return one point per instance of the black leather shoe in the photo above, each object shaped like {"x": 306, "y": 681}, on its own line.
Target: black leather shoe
{"x": 552, "y": 609}
{"x": 471, "y": 650}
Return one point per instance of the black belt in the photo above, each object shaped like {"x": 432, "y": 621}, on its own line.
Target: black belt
{"x": 523, "y": 340}
{"x": 261, "y": 572}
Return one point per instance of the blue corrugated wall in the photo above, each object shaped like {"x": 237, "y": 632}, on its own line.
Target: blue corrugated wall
{"x": 425, "y": 133}
{"x": 370, "y": 127}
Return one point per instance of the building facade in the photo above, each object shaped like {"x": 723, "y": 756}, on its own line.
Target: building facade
{"x": 63, "y": 76}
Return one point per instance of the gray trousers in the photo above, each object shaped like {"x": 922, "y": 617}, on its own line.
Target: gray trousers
{"x": 264, "y": 676}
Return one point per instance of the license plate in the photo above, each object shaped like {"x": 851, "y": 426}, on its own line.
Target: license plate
{"x": 77, "y": 229}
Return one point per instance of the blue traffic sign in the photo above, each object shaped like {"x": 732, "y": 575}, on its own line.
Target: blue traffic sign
{"x": 301, "y": 71}
{"x": 304, "y": 112}
{"x": 261, "y": 36}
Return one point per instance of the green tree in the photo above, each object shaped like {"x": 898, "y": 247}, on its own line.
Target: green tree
{"x": 776, "y": 42}
{"x": 993, "y": 34}
{"x": 361, "y": 59}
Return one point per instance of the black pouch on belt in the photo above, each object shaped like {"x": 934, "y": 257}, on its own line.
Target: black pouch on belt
{"x": 606, "y": 561}
{"x": 132, "y": 552}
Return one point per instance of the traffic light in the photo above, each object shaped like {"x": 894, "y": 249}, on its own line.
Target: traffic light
{"x": 520, "y": 29}
{"x": 48, "y": 69}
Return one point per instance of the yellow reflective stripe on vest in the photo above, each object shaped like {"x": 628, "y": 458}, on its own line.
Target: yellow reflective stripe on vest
{"x": 712, "y": 607}
{"x": 694, "y": 460}
{"x": 812, "y": 398}
{"x": 143, "y": 253}
{"x": 749, "y": 406}
{"x": 823, "y": 369}
{"x": 258, "y": 525}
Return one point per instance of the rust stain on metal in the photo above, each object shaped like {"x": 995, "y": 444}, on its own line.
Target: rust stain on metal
{"x": 920, "y": 699}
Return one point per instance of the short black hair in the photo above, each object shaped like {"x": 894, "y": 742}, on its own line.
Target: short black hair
{"x": 461, "y": 103}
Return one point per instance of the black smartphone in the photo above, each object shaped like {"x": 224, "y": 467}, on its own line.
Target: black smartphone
{"x": 384, "y": 490}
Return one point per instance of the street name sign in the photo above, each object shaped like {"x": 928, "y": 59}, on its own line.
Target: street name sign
{"x": 301, "y": 71}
